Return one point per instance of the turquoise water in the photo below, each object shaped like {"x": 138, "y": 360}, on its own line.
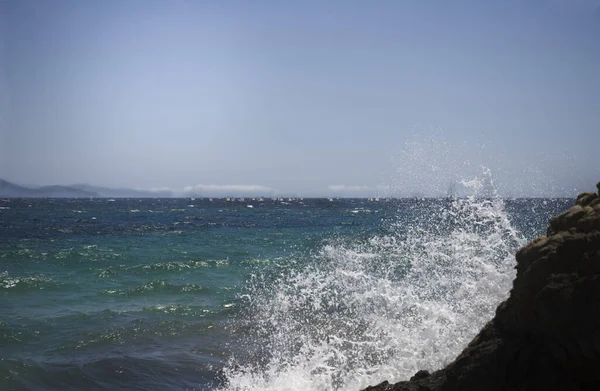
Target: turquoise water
{"x": 203, "y": 294}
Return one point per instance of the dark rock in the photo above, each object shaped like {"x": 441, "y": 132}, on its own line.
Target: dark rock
{"x": 546, "y": 335}
{"x": 584, "y": 199}
{"x": 422, "y": 374}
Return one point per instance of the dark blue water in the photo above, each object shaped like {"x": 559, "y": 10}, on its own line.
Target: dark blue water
{"x": 159, "y": 294}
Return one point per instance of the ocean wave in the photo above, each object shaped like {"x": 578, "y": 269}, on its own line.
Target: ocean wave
{"x": 177, "y": 310}
{"x": 22, "y": 252}
{"x": 147, "y": 320}
{"x": 175, "y": 266}
{"x": 153, "y": 287}
{"x": 142, "y": 331}
{"x": 107, "y": 372}
{"x": 10, "y": 334}
{"x": 363, "y": 210}
{"x": 31, "y": 283}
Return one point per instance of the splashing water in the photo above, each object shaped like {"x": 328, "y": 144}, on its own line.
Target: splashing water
{"x": 360, "y": 313}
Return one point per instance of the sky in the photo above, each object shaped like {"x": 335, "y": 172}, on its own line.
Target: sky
{"x": 310, "y": 98}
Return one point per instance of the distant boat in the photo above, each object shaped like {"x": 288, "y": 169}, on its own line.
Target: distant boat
{"x": 192, "y": 198}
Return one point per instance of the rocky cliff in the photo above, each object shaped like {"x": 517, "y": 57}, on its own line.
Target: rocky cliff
{"x": 546, "y": 335}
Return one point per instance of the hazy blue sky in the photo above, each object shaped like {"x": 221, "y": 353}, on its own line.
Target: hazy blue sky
{"x": 335, "y": 98}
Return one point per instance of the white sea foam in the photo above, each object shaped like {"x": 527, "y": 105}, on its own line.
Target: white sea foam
{"x": 381, "y": 309}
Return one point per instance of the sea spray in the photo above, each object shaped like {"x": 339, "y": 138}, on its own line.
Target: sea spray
{"x": 359, "y": 312}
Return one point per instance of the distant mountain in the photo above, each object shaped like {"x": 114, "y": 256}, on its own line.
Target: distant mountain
{"x": 123, "y": 193}
{"x": 8, "y": 189}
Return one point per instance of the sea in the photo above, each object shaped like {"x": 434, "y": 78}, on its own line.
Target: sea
{"x": 250, "y": 294}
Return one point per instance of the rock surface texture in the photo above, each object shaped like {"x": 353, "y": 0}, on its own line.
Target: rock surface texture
{"x": 546, "y": 335}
